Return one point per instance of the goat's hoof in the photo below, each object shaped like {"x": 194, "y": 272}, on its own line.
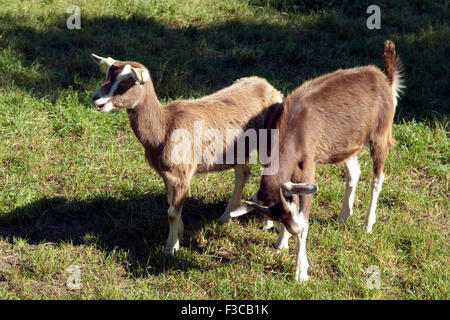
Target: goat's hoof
{"x": 281, "y": 246}
{"x": 367, "y": 229}
{"x": 279, "y": 251}
{"x": 267, "y": 225}
{"x": 341, "y": 219}
{"x": 225, "y": 218}
{"x": 169, "y": 253}
{"x": 302, "y": 277}
{"x": 345, "y": 213}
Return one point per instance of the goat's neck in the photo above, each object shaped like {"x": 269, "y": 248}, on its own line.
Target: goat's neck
{"x": 148, "y": 119}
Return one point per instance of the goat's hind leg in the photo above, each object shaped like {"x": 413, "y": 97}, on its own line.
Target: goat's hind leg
{"x": 379, "y": 154}
{"x": 241, "y": 175}
{"x": 352, "y": 176}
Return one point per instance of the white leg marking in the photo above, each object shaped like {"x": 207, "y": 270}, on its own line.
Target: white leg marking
{"x": 173, "y": 243}
{"x": 267, "y": 224}
{"x": 352, "y": 175}
{"x": 301, "y": 269}
{"x": 375, "y": 192}
{"x": 175, "y": 223}
{"x": 283, "y": 237}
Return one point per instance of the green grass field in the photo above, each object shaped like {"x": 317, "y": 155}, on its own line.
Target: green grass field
{"x": 76, "y": 189}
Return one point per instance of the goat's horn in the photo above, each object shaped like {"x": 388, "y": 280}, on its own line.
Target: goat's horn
{"x": 262, "y": 209}
{"x": 300, "y": 188}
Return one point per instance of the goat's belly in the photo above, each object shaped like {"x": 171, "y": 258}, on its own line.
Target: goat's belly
{"x": 339, "y": 156}
{"x": 203, "y": 168}
{"x": 213, "y": 160}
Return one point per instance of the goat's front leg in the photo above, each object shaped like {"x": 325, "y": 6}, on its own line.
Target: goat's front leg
{"x": 176, "y": 194}
{"x": 307, "y": 175}
{"x": 301, "y": 269}
{"x": 241, "y": 175}
{"x": 283, "y": 234}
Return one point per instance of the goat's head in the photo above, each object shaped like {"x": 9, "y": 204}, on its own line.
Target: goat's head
{"x": 124, "y": 85}
{"x": 283, "y": 206}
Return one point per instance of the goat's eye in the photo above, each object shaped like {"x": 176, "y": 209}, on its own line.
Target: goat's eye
{"x": 289, "y": 197}
{"x": 123, "y": 84}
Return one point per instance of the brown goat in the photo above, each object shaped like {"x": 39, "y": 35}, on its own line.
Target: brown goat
{"x": 328, "y": 120}
{"x": 241, "y": 106}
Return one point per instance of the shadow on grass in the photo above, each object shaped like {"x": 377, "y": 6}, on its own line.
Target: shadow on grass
{"x": 137, "y": 225}
{"x": 190, "y": 61}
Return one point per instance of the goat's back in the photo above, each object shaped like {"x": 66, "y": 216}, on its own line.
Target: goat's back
{"x": 232, "y": 107}
{"x": 243, "y": 105}
{"x": 341, "y": 111}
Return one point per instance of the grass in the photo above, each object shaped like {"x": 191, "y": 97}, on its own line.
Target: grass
{"x": 76, "y": 190}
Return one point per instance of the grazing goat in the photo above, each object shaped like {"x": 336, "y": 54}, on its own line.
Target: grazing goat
{"x": 328, "y": 120}
{"x": 241, "y": 106}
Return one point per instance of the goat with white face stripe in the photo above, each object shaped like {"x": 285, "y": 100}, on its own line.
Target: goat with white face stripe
{"x": 244, "y": 105}
{"x": 124, "y": 83}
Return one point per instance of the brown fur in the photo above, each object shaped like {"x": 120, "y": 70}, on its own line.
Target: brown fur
{"x": 389, "y": 60}
{"x": 328, "y": 120}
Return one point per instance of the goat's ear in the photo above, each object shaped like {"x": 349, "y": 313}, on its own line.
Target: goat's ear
{"x": 140, "y": 75}
{"x": 300, "y": 188}
{"x": 104, "y": 63}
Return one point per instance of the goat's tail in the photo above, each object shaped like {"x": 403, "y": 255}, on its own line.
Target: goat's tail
{"x": 393, "y": 68}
